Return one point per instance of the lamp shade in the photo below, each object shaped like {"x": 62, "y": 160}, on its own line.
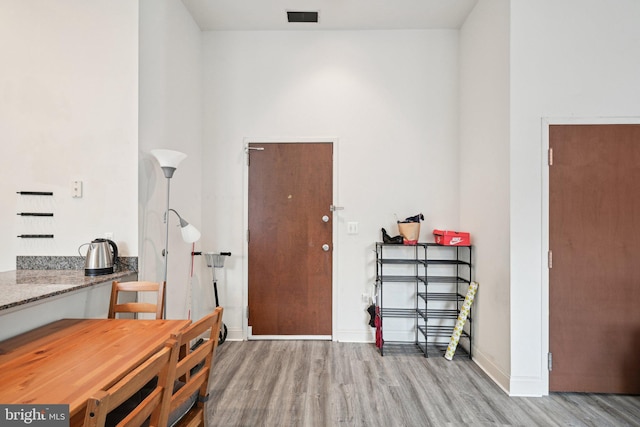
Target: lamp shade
{"x": 169, "y": 160}
{"x": 190, "y": 234}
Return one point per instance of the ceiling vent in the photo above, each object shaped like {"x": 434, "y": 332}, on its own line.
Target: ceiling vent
{"x": 302, "y": 16}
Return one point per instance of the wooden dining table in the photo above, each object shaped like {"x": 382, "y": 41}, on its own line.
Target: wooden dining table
{"x": 67, "y": 361}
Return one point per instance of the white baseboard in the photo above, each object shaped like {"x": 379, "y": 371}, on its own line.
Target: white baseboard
{"x": 235, "y": 335}
{"x": 290, "y": 337}
{"x": 513, "y": 386}
{"x": 496, "y": 374}
{"x": 357, "y": 336}
{"x": 527, "y": 387}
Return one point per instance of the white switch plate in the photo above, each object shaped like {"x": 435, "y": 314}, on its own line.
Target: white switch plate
{"x": 352, "y": 227}
{"x": 108, "y": 235}
{"x": 76, "y": 189}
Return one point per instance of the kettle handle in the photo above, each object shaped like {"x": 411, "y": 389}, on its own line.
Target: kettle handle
{"x": 115, "y": 250}
{"x": 84, "y": 244}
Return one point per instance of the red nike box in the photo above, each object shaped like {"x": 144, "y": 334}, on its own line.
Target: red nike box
{"x": 452, "y": 238}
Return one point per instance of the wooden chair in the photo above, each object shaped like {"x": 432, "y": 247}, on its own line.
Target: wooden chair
{"x": 190, "y": 394}
{"x": 155, "y": 406}
{"x": 136, "y": 307}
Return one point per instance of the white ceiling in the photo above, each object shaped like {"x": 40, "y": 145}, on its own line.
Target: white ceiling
{"x": 333, "y": 14}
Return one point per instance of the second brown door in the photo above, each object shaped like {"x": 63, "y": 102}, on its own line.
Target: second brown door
{"x": 594, "y": 281}
{"x": 290, "y": 238}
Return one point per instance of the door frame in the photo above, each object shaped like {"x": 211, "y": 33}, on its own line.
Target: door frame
{"x": 245, "y": 245}
{"x": 546, "y": 122}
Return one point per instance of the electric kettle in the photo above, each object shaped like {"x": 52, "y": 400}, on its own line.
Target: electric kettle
{"x": 100, "y": 258}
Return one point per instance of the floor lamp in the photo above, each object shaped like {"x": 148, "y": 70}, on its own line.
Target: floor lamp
{"x": 169, "y": 160}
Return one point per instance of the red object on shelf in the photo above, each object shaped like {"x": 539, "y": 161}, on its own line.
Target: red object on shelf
{"x": 378, "y": 323}
{"x": 452, "y": 238}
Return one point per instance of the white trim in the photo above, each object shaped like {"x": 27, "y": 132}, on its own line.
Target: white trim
{"x": 546, "y": 122}
{"x": 494, "y": 372}
{"x": 289, "y": 338}
{"x": 525, "y": 386}
{"x": 544, "y": 328}
{"x": 245, "y": 247}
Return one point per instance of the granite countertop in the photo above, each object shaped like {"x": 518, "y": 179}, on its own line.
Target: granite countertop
{"x": 24, "y": 286}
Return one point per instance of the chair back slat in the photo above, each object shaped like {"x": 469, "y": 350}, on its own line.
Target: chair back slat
{"x": 135, "y": 307}
{"x": 190, "y": 387}
{"x": 117, "y": 288}
{"x": 194, "y": 358}
{"x": 143, "y": 411}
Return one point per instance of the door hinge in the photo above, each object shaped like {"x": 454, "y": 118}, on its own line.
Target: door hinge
{"x": 247, "y": 312}
{"x": 550, "y": 157}
{"x": 550, "y": 258}
{"x": 550, "y": 361}
{"x": 247, "y": 236}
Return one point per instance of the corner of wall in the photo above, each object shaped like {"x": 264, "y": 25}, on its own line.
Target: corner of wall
{"x": 497, "y": 374}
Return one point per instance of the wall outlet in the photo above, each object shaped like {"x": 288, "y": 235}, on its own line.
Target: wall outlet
{"x": 108, "y": 235}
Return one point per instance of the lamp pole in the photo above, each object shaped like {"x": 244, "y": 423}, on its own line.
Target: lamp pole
{"x": 166, "y": 236}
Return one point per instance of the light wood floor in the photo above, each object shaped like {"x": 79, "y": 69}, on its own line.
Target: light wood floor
{"x": 322, "y": 383}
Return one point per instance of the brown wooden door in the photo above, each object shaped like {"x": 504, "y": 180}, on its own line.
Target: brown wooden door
{"x": 290, "y": 190}
{"x": 594, "y": 235}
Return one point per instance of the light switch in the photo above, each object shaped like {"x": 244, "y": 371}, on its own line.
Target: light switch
{"x": 352, "y": 227}
{"x": 76, "y": 189}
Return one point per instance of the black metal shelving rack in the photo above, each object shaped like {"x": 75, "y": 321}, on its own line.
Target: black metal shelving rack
{"x": 437, "y": 297}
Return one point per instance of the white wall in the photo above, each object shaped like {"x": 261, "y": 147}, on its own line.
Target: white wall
{"x": 484, "y": 182}
{"x": 569, "y": 59}
{"x": 390, "y": 98}
{"x": 171, "y": 118}
{"x": 68, "y": 111}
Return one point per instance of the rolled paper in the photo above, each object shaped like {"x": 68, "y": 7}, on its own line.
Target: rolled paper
{"x": 462, "y": 319}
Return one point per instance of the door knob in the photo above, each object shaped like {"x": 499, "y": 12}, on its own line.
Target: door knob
{"x": 325, "y": 247}
{"x": 325, "y": 218}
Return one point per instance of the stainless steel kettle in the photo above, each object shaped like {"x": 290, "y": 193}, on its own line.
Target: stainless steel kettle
{"x": 101, "y": 257}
